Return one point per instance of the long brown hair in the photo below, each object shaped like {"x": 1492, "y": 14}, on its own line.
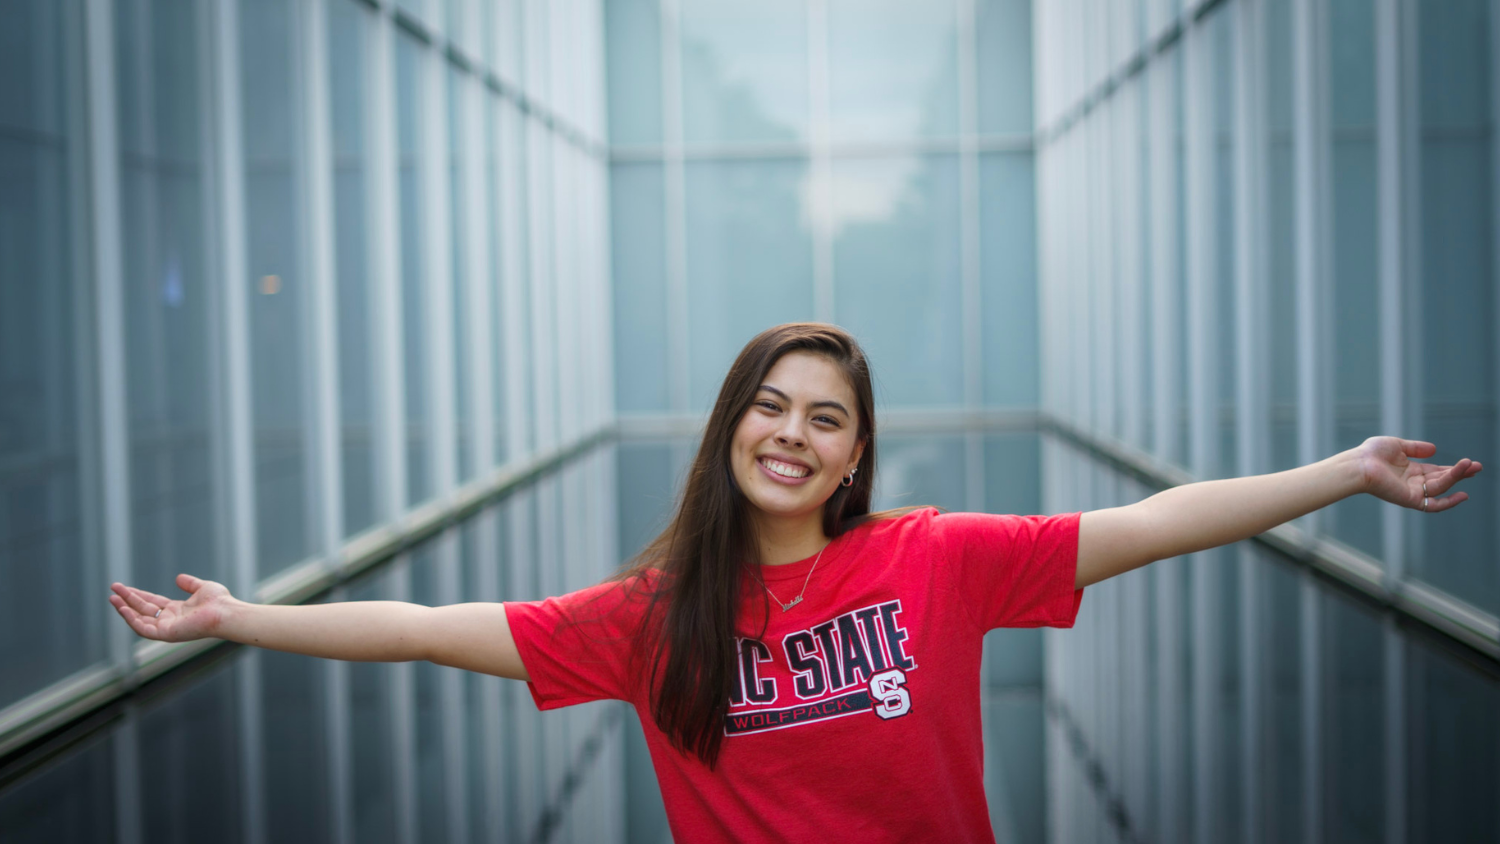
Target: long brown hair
{"x": 688, "y": 631}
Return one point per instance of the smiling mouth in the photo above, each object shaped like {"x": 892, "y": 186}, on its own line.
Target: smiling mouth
{"x": 785, "y": 470}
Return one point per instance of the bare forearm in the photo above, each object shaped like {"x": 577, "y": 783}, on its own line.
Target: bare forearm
{"x": 1208, "y": 514}
{"x": 358, "y": 631}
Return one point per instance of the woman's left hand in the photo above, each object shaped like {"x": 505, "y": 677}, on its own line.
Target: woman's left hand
{"x": 1391, "y": 476}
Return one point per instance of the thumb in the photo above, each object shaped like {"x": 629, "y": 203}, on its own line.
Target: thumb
{"x": 188, "y": 583}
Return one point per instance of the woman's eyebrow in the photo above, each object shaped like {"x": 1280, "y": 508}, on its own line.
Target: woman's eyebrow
{"x": 824, "y": 403}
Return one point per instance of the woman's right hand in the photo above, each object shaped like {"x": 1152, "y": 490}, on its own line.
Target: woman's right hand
{"x": 197, "y": 617}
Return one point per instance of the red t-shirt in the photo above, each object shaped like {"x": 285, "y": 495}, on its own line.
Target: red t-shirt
{"x": 857, "y": 712}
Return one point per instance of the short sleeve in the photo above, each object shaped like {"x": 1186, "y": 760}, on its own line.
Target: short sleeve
{"x": 1013, "y": 571}
{"x": 578, "y": 647}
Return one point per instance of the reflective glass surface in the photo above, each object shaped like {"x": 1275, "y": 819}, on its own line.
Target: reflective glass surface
{"x": 348, "y": 42}
{"x": 1356, "y": 270}
{"x": 1002, "y": 29}
{"x": 638, "y": 252}
{"x": 1008, "y": 294}
{"x": 49, "y": 466}
{"x": 170, "y": 301}
{"x": 1453, "y": 341}
{"x": 633, "y": 62}
{"x": 744, "y": 71}
{"x": 277, "y": 297}
{"x": 749, "y": 254}
{"x": 409, "y": 73}
{"x": 895, "y": 229}
{"x": 892, "y": 69}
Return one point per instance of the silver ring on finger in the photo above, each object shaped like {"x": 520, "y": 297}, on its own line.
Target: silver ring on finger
{"x": 1424, "y": 504}
{"x": 159, "y": 609}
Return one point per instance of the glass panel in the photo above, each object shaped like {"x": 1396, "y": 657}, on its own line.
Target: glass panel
{"x": 1281, "y": 630}
{"x": 169, "y": 327}
{"x": 189, "y": 778}
{"x": 371, "y": 718}
{"x": 431, "y": 761}
{"x": 1354, "y": 749}
{"x": 1453, "y": 771}
{"x": 494, "y": 135}
{"x": 1003, "y": 29}
{"x": 1008, "y": 280}
{"x": 892, "y": 69}
{"x": 409, "y": 56}
{"x": 348, "y": 24}
{"x": 1356, "y": 276}
{"x": 1281, "y": 235}
{"x": 749, "y": 261}
{"x": 925, "y": 470}
{"x": 895, "y": 229}
{"x": 647, "y": 489}
{"x": 638, "y": 250}
{"x": 633, "y": 81}
{"x": 1225, "y": 135}
{"x": 457, "y": 180}
{"x": 70, "y": 801}
{"x": 273, "y": 227}
{"x": 1455, "y": 342}
{"x": 744, "y": 71}
{"x": 49, "y": 557}
{"x": 293, "y": 748}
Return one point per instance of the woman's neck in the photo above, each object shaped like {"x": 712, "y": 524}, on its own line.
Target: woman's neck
{"x": 787, "y": 540}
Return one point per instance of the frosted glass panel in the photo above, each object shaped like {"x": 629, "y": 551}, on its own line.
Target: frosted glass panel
{"x": 633, "y": 62}
{"x": 749, "y": 257}
{"x": 413, "y": 294}
{"x": 1008, "y": 282}
{"x": 1002, "y": 29}
{"x": 892, "y": 69}
{"x": 1356, "y": 320}
{"x": 48, "y": 469}
{"x": 277, "y": 293}
{"x": 744, "y": 71}
{"x": 1455, "y": 343}
{"x": 347, "y": 33}
{"x": 639, "y": 243}
{"x": 896, "y": 273}
{"x": 168, "y": 323}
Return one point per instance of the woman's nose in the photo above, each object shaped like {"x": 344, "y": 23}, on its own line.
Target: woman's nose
{"x": 791, "y": 438}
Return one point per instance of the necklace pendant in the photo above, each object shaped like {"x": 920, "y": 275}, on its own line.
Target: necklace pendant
{"x": 794, "y": 602}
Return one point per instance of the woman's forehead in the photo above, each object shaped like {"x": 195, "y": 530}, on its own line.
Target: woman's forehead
{"x": 810, "y": 377}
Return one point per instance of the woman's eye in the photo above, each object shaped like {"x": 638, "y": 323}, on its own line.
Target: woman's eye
{"x": 768, "y": 405}
{"x": 827, "y": 420}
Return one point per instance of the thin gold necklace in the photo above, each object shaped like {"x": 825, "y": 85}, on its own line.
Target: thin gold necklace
{"x": 797, "y": 600}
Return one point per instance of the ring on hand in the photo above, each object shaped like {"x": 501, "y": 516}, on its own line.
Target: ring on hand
{"x": 158, "y": 612}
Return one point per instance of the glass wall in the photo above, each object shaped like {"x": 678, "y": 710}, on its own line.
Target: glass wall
{"x": 868, "y": 165}
{"x": 264, "y": 277}
{"x": 1317, "y": 245}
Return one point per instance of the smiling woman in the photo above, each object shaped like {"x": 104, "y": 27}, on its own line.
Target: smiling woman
{"x": 851, "y": 706}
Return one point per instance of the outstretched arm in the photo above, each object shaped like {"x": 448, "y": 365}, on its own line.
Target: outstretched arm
{"x": 475, "y": 636}
{"x": 1199, "y": 516}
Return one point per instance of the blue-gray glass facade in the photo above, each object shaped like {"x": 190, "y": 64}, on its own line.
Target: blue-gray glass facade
{"x": 426, "y": 300}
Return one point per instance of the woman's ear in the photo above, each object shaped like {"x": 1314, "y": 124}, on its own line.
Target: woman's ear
{"x": 859, "y": 452}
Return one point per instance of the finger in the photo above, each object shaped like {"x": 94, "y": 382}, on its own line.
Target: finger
{"x": 188, "y": 583}
{"x": 1445, "y": 479}
{"x": 1418, "y": 448}
{"x": 138, "y": 623}
{"x": 139, "y": 604}
{"x": 1438, "y": 505}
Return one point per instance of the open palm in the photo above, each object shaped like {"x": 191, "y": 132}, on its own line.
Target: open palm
{"x": 1391, "y": 475}
{"x": 157, "y": 617}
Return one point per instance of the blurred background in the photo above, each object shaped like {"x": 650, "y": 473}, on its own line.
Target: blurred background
{"x": 427, "y": 300}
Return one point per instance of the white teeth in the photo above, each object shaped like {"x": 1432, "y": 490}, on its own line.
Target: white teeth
{"x": 786, "y": 470}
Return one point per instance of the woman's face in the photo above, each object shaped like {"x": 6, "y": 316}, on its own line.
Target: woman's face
{"x": 799, "y": 438}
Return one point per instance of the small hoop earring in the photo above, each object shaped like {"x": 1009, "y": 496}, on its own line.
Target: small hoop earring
{"x": 849, "y": 478}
